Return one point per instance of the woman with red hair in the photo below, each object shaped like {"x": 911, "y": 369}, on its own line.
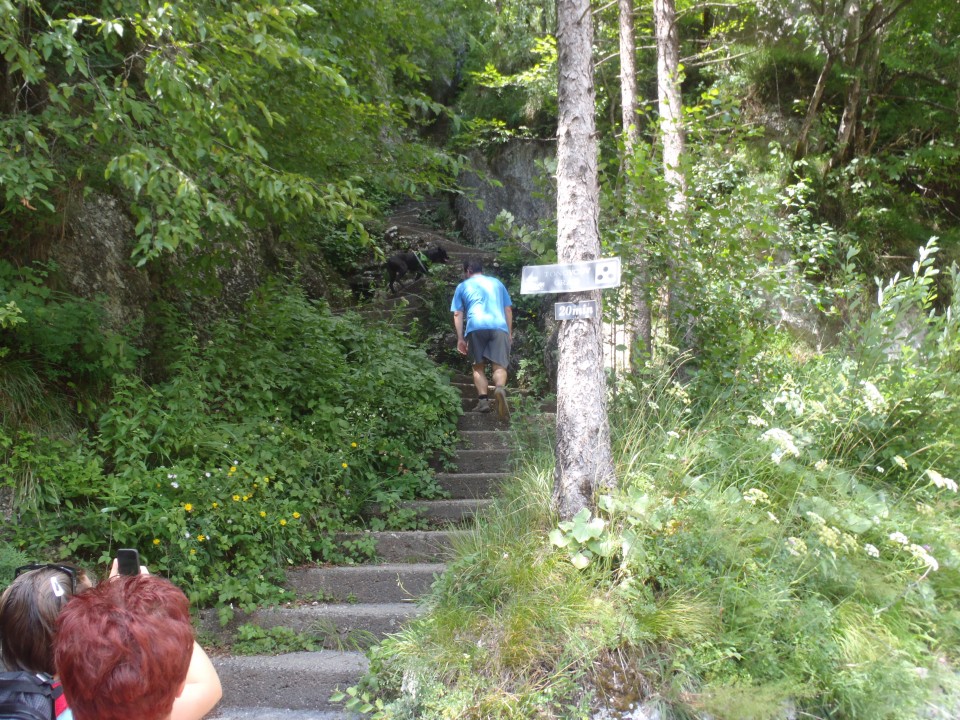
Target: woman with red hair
{"x": 126, "y": 649}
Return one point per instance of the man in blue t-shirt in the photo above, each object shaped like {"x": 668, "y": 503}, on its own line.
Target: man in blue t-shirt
{"x": 483, "y": 316}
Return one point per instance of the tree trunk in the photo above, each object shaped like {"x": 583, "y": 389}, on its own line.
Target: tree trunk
{"x": 583, "y": 455}
{"x": 800, "y": 149}
{"x": 681, "y": 317}
{"x": 640, "y": 320}
{"x": 628, "y": 76}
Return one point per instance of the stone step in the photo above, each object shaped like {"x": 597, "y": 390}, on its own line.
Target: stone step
{"x": 484, "y": 439}
{"x": 302, "y": 681}
{"x": 481, "y": 421}
{"x": 483, "y": 461}
{"x": 471, "y": 485}
{"x": 447, "y": 511}
{"x": 246, "y": 713}
{"x": 381, "y": 583}
{"x": 406, "y": 546}
{"x": 336, "y": 626}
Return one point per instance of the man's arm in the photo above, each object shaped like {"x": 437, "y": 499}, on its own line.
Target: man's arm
{"x": 458, "y": 324}
{"x": 508, "y": 312}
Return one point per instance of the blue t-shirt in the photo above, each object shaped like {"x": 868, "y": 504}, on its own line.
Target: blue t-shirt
{"x": 482, "y": 300}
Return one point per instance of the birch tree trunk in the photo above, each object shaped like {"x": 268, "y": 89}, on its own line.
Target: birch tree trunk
{"x": 583, "y": 455}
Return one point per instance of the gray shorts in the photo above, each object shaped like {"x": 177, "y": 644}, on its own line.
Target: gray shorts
{"x": 492, "y": 345}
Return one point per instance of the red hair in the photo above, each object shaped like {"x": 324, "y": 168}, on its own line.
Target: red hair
{"x": 123, "y": 649}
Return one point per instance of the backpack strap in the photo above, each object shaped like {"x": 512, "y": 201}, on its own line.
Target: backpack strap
{"x": 59, "y": 700}
{"x": 24, "y": 683}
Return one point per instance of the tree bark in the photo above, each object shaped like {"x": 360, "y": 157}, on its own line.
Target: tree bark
{"x": 640, "y": 320}
{"x": 669, "y": 102}
{"x": 583, "y": 454}
{"x": 628, "y": 76}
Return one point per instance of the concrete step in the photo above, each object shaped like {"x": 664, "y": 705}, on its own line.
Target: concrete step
{"x": 481, "y": 421}
{"x": 336, "y": 626}
{"x": 232, "y": 713}
{"x": 484, "y": 439}
{"x": 447, "y": 511}
{"x": 471, "y": 485}
{"x": 302, "y": 681}
{"x": 483, "y": 461}
{"x": 407, "y": 546}
{"x": 381, "y": 583}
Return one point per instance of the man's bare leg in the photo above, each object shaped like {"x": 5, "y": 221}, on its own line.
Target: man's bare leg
{"x": 500, "y": 394}
{"x": 480, "y": 379}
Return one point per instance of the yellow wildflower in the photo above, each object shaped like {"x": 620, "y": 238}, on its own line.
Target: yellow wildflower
{"x": 296, "y": 515}
{"x": 353, "y": 444}
{"x": 193, "y": 551}
{"x": 188, "y": 507}
{"x": 263, "y": 513}
{"x": 236, "y": 498}
{"x": 233, "y": 468}
{"x": 156, "y": 541}
{"x": 344, "y": 465}
{"x": 283, "y": 521}
{"x": 200, "y": 538}
{"x": 214, "y": 505}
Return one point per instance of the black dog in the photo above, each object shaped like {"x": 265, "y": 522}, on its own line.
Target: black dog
{"x": 399, "y": 264}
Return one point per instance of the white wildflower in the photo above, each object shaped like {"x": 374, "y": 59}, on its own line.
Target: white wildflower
{"x": 821, "y": 465}
{"x": 755, "y": 495}
{"x": 880, "y": 469}
{"x": 756, "y": 421}
{"x": 815, "y": 518}
{"x": 174, "y": 484}
{"x": 900, "y": 461}
{"x": 940, "y": 481}
{"x": 871, "y": 550}
{"x": 899, "y": 538}
{"x": 785, "y": 444}
{"x": 796, "y": 546}
{"x": 921, "y": 554}
{"x": 876, "y": 403}
{"x": 773, "y": 518}
{"x": 674, "y": 434}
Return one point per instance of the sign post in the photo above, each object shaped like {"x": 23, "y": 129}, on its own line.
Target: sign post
{"x": 571, "y": 278}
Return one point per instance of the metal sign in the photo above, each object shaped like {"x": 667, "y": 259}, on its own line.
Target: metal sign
{"x": 575, "y": 277}
{"x": 587, "y": 310}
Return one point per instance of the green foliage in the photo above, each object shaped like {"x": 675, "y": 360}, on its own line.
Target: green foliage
{"x": 265, "y": 439}
{"x": 789, "y": 544}
{"x": 255, "y": 640}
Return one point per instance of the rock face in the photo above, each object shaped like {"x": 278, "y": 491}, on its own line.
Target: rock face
{"x": 511, "y": 179}
{"x": 94, "y": 261}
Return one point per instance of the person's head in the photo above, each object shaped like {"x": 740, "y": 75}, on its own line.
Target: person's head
{"x": 123, "y": 649}
{"x": 472, "y": 266}
{"x": 28, "y": 614}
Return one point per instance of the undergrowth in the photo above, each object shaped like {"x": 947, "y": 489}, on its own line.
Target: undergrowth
{"x": 787, "y": 547}
{"x": 266, "y": 437}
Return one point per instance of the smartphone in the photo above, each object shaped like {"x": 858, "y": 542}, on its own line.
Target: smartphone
{"x": 128, "y": 562}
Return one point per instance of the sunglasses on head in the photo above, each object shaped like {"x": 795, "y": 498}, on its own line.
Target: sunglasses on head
{"x": 66, "y": 569}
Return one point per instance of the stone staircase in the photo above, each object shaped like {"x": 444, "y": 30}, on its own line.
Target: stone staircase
{"x": 347, "y": 608}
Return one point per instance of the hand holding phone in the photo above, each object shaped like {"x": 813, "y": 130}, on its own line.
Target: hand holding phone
{"x": 128, "y": 562}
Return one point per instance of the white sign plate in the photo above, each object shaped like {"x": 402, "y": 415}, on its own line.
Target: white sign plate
{"x": 575, "y": 277}
{"x": 587, "y": 310}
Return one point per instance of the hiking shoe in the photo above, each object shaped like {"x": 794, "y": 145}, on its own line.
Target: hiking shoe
{"x": 500, "y": 395}
{"x": 483, "y": 405}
